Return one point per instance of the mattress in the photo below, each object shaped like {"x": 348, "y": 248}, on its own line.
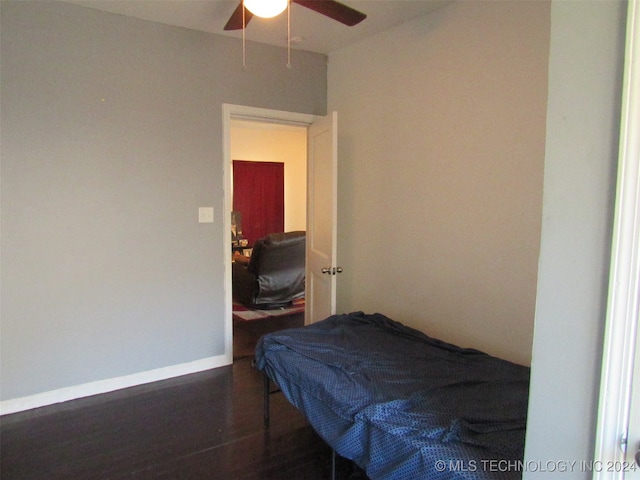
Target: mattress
{"x": 400, "y": 404}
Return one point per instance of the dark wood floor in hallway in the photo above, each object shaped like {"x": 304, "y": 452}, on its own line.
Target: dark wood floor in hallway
{"x": 208, "y": 425}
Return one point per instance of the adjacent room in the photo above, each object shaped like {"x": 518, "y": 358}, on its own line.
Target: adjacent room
{"x": 269, "y": 197}
{"x": 477, "y": 146}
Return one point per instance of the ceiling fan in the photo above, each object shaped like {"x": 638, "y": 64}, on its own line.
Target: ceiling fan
{"x": 329, "y": 8}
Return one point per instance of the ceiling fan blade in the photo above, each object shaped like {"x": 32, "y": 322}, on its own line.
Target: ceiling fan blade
{"x": 235, "y": 20}
{"x": 335, "y": 10}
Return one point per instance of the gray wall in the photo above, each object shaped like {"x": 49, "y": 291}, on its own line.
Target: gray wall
{"x": 442, "y": 137}
{"x": 111, "y": 139}
{"x": 583, "y": 116}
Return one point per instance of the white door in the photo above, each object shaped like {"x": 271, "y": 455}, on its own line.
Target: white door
{"x": 632, "y": 146}
{"x": 618, "y": 435}
{"x": 322, "y": 190}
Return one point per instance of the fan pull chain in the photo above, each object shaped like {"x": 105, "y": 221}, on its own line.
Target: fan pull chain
{"x": 289, "y": 34}
{"x": 244, "y": 46}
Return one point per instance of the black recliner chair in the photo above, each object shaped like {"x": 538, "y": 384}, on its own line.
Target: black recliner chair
{"x": 275, "y": 273}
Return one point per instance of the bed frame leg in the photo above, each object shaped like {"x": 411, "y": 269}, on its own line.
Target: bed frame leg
{"x": 333, "y": 464}
{"x": 267, "y": 387}
{"x": 266, "y": 407}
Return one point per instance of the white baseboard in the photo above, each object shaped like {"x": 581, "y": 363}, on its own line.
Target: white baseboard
{"x": 109, "y": 385}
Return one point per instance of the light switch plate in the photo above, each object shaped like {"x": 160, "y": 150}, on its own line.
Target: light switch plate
{"x": 205, "y": 215}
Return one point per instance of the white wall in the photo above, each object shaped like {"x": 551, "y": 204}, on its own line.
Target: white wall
{"x": 268, "y": 142}
{"x": 111, "y": 139}
{"x": 441, "y": 150}
{"x": 583, "y": 118}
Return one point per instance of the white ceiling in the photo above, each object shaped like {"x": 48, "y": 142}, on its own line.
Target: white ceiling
{"x": 318, "y": 33}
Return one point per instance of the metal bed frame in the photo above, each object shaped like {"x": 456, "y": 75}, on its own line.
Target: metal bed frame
{"x": 267, "y": 392}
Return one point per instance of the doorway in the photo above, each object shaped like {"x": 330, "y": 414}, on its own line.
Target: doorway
{"x": 260, "y": 135}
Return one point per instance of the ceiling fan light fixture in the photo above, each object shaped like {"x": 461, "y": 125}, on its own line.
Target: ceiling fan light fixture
{"x": 266, "y": 8}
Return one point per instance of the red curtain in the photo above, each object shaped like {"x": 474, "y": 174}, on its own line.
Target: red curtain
{"x": 258, "y": 194}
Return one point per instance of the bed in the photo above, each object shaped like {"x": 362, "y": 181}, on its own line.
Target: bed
{"x": 400, "y": 404}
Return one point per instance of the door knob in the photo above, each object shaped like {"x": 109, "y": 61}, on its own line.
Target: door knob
{"x": 331, "y": 271}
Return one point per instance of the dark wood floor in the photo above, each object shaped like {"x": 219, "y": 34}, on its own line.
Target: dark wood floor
{"x": 206, "y": 425}
{"x": 246, "y": 334}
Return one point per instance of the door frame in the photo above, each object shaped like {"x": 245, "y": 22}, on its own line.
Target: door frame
{"x": 254, "y": 114}
{"x": 621, "y": 325}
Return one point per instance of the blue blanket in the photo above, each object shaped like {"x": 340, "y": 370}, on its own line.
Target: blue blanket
{"x": 399, "y": 403}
